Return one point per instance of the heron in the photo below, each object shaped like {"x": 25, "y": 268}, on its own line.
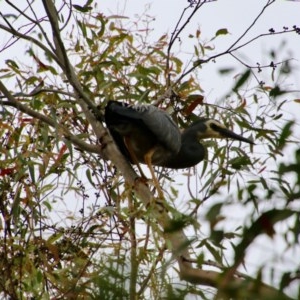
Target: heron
{"x": 147, "y": 134}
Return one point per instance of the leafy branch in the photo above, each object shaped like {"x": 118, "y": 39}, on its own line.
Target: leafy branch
{"x": 179, "y": 28}
{"x": 12, "y": 101}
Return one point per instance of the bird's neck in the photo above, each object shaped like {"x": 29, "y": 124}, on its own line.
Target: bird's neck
{"x": 190, "y": 154}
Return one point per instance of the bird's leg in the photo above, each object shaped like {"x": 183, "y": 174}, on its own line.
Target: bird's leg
{"x": 148, "y": 161}
{"x": 133, "y": 157}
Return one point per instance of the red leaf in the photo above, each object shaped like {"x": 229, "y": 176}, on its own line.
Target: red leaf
{"x": 266, "y": 225}
{"x": 7, "y": 171}
{"x": 196, "y": 100}
{"x": 61, "y": 153}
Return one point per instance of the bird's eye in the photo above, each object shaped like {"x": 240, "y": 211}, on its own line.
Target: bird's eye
{"x": 214, "y": 127}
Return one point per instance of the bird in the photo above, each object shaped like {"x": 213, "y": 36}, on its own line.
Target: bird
{"x": 147, "y": 134}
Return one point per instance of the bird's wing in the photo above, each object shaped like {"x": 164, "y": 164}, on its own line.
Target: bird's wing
{"x": 111, "y": 119}
{"x": 161, "y": 125}
{"x": 154, "y": 119}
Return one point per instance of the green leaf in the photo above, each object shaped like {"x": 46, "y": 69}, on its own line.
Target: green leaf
{"x": 242, "y": 80}
{"x": 285, "y": 134}
{"x": 200, "y": 259}
{"x": 222, "y": 31}
{"x": 217, "y": 236}
{"x": 178, "y": 223}
{"x": 83, "y": 9}
{"x": 31, "y": 170}
{"x": 286, "y": 279}
{"x": 215, "y": 253}
{"x": 89, "y": 177}
{"x": 225, "y": 71}
{"x": 82, "y": 27}
{"x": 47, "y": 205}
{"x": 239, "y": 162}
{"x": 276, "y": 91}
{"x": 214, "y": 212}
{"x": 36, "y": 104}
{"x": 264, "y": 224}
{"x": 39, "y": 276}
{"x": 101, "y": 32}
{"x": 12, "y": 64}
{"x": 54, "y": 237}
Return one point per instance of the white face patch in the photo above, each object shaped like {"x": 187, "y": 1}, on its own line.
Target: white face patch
{"x": 210, "y": 132}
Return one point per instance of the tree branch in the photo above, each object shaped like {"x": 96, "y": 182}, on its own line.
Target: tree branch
{"x": 30, "y": 39}
{"x": 269, "y": 2}
{"x": 178, "y": 30}
{"x": 199, "y": 62}
{"x": 36, "y": 22}
{"x": 63, "y": 57}
{"x": 234, "y": 47}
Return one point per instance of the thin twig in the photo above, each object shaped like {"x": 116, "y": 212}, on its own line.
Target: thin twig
{"x": 37, "y": 22}
{"x": 133, "y": 251}
{"x": 251, "y": 25}
{"x": 259, "y": 67}
{"x": 176, "y": 32}
{"x": 213, "y": 57}
{"x": 30, "y": 39}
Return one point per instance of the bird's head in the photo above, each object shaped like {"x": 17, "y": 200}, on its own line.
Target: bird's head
{"x": 208, "y": 128}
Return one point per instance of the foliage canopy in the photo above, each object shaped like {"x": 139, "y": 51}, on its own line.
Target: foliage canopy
{"x": 74, "y": 223}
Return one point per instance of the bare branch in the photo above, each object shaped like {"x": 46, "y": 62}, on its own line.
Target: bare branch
{"x": 37, "y": 22}
{"x": 40, "y": 91}
{"x": 234, "y": 47}
{"x": 269, "y": 2}
{"x": 177, "y": 31}
{"x": 212, "y": 278}
{"x": 30, "y": 39}
{"x": 199, "y": 62}
{"x": 230, "y": 50}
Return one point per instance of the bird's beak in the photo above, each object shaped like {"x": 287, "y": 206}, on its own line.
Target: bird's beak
{"x": 226, "y": 133}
